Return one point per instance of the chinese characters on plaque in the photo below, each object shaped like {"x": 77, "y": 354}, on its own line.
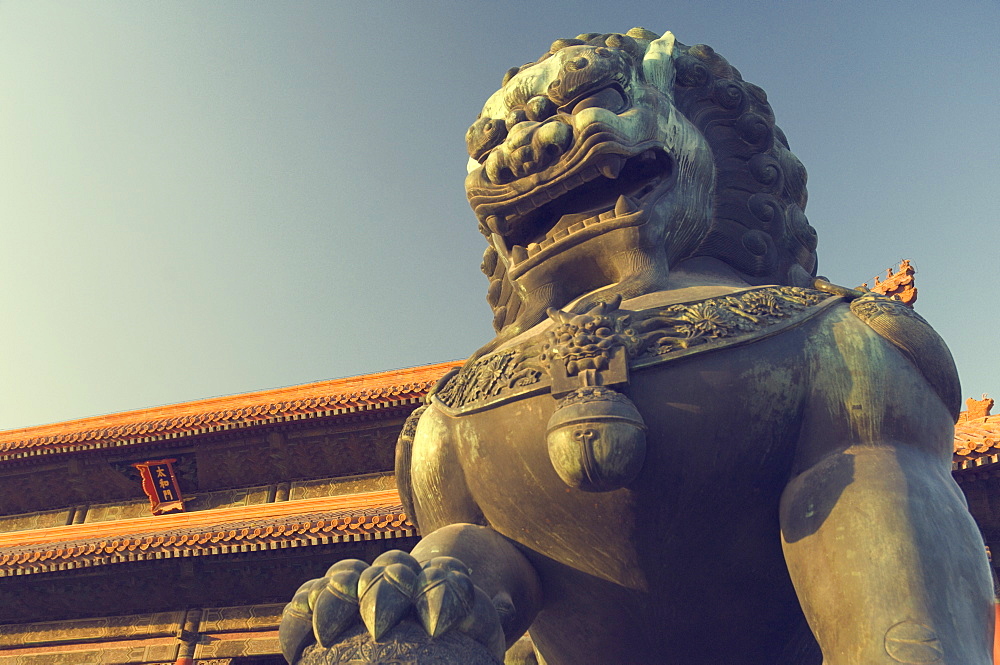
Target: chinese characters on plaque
{"x": 160, "y": 485}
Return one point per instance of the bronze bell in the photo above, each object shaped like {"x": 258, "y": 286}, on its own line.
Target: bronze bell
{"x": 596, "y": 439}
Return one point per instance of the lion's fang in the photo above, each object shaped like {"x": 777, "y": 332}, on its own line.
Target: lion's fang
{"x": 625, "y": 205}
{"x": 497, "y": 224}
{"x": 611, "y": 165}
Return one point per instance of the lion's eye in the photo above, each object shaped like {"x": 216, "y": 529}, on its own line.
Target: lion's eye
{"x": 610, "y": 98}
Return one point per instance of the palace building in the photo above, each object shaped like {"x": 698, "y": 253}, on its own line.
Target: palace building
{"x": 264, "y": 491}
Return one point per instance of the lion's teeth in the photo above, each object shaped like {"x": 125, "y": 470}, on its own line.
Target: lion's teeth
{"x": 611, "y": 165}
{"x": 497, "y": 224}
{"x": 596, "y": 219}
{"x": 549, "y": 194}
{"x": 625, "y": 205}
{"x": 606, "y": 215}
{"x": 533, "y": 248}
{"x": 518, "y": 254}
{"x": 576, "y": 227}
{"x": 545, "y": 243}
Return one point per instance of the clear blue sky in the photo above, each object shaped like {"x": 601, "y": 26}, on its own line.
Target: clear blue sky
{"x": 200, "y": 199}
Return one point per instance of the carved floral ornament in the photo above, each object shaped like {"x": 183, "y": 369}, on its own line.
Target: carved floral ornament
{"x": 374, "y": 653}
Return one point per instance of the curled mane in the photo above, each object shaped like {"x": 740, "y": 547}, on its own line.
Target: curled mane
{"x": 759, "y": 226}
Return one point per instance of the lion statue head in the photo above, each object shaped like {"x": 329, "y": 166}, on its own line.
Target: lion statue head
{"x": 614, "y": 158}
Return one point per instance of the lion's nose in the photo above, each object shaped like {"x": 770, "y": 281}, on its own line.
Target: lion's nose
{"x": 530, "y": 147}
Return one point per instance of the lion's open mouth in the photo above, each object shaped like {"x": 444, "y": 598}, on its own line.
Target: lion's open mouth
{"x": 611, "y": 193}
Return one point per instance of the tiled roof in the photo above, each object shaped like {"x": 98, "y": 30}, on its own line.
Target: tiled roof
{"x": 327, "y": 520}
{"x": 977, "y": 442}
{"x": 977, "y": 435}
{"x": 325, "y": 398}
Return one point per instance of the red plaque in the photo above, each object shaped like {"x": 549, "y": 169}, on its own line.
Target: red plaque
{"x": 160, "y": 485}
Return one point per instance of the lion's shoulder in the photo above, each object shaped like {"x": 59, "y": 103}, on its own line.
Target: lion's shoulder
{"x": 908, "y": 332}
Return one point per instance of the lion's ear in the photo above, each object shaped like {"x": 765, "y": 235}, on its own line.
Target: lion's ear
{"x": 658, "y": 63}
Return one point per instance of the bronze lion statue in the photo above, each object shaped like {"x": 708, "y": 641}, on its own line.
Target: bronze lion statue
{"x": 679, "y": 446}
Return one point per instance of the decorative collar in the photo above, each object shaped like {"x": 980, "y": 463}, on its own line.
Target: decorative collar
{"x": 600, "y": 346}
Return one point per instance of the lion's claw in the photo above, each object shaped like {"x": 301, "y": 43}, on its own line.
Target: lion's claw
{"x": 296, "y": 631}
{"x": 440, "y": 592}
{"x": 336, "y": 606}
{"x": 445, "y": 594}
{"x": 385, "y": 591}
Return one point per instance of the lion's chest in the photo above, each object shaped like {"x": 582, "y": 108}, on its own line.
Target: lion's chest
{"x": 720, "y": 440}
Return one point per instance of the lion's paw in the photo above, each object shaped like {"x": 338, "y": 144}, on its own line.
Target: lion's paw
{"x": 439, "y": 594}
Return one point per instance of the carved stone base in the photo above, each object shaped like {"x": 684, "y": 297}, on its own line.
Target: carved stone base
{"x": 406, "y": 644}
